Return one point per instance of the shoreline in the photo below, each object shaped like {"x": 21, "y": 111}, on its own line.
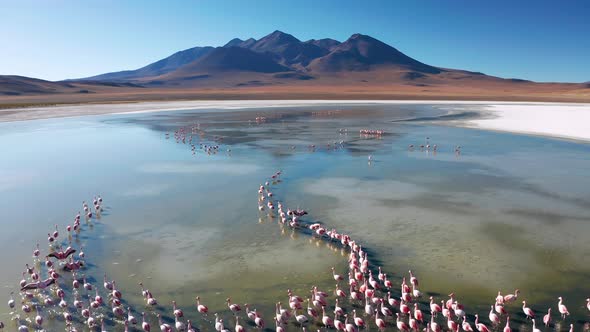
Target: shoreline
{"x": 547, "y": 119}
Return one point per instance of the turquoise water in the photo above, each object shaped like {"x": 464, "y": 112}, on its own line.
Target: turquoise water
{"x": 509, "y": 212}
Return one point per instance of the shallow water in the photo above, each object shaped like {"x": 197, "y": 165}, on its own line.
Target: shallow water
{"x": 509, "y": 212}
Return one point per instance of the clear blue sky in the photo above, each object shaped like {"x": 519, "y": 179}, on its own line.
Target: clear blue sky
{"x": 57, "y": 39}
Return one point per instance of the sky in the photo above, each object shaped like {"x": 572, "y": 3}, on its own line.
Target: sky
{"x": 539, "y": 40}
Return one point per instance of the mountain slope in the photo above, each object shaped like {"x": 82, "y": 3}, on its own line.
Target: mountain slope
{"x": 160, "y": 67}
{"x": 362, "y": 53}
{"x": 229, "y": 59}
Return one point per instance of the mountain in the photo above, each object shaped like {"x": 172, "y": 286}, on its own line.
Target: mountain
{"x": 279, "y": 62}
{"x": 229, "y": 59}
{"x": 287, "y": 49}
{"x": 157, "y": 68}
{"x": 13, "y": 85}
{"x": 326, "y": 43}
{"x": 240, "y": 43}
{"x": 362, "y": 53}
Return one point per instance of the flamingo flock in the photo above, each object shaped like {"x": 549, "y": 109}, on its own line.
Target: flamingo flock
{"x": 55, "y": 287}
{"x": 186, "y": 135}
{"x": 375, "y": 294}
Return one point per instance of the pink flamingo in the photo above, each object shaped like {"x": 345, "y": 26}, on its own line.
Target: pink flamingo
{"x": 562, "y": 308}
{"x": 348, "y": 326}
{"x": 379, "y": 321}
{"x": 481, "y": 327}
{"x": 547, "y": 318}
{"x": 401, "y": 325}
{"x": 337, "y": 277}
{"x": 507, "y": 327}
{"x": 176, "y": 311}
{"x": 418, "y": 313}
{"x": 466, "y": 326}
{"x": 500, "y": 298}
{"x": 326, "y": 320}
{"x": 164, "y": 327}
{"x": 232, "y": 306}
{"x": 493, "y": 317}
{"x": 451, "y": 324}
{"x": 359, "y": 322}
{"x": 511, "y": 297}
{"x": 434, "y": 327}
{"x": 201, "y": 308}
{"x": 527, "y": 311}
{"x": 434, "y": 308}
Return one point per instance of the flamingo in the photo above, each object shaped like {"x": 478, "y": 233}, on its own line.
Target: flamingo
{"x": 232, "y": 306}
{"x": 588, "y": 304}
{"x": 279, "y": 326}
{"x": 392, "y": 302}
{"x": 434, "y": 308}
{"x": 86, "y": 311}
{"x": 434, "y": 327}
{"x": 301, "y": 319}
{"x": 459, "y": 311}
{"x": 466, "y": 326}
{"x": 218, "y": 323}
{"x": 338, "y": 311}
{"x": 511, "y": 297}
{"x": 258, "y": 321}
{"x": 189, "y": 326}
{"x": 368, "y": 307}
{"x": 179, "y": 325}
{"x": 381, "y": 275}
{"x": 385, "y": 310}
{"x": 39, "y": 317}
{"x": 379, "y": 321}
{"x": 413, "y": 279}
{"x": 403, "y": 308}
{"x": 176, "y": 311}
{"x": 339, "y": 292}
{"x": 401, "y": 325}
{"x": 562, "y": 308}
{"x": 359, "y": 322}
{"x": 451, "y": 324}
{"x": 37, "y": 285}
{"x": 527, "y": 311}
{"x": 481, "y": 327}
{"x": 493, "y": 316}
{"x": 500, "y": 309}
{"x": 115, "y": 292}
{"x": 11, "y": 301}
{"x": 348, "y": 326}
{"x": 337, "y": 277}
{"x": 201, "y": 308}
{"x": 500, "y": 298}
{"x": 338, "y": 325}
{"x": 311, "y": 311}
{"x": 547, "y": 318}
{"x": 507, "y": 327}
{"x": 164, "y": 327}
{"x": 238, "y": 327}
{"x": 535, "y": 329}
{"x": 326, "y": 320}
{"x": 418, "y": 313}
{"x": 130, "y": 318}
{"x": 109, "y": 286}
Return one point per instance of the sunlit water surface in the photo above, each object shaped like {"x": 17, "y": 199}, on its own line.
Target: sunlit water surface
{"x": 509, "y": 212}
